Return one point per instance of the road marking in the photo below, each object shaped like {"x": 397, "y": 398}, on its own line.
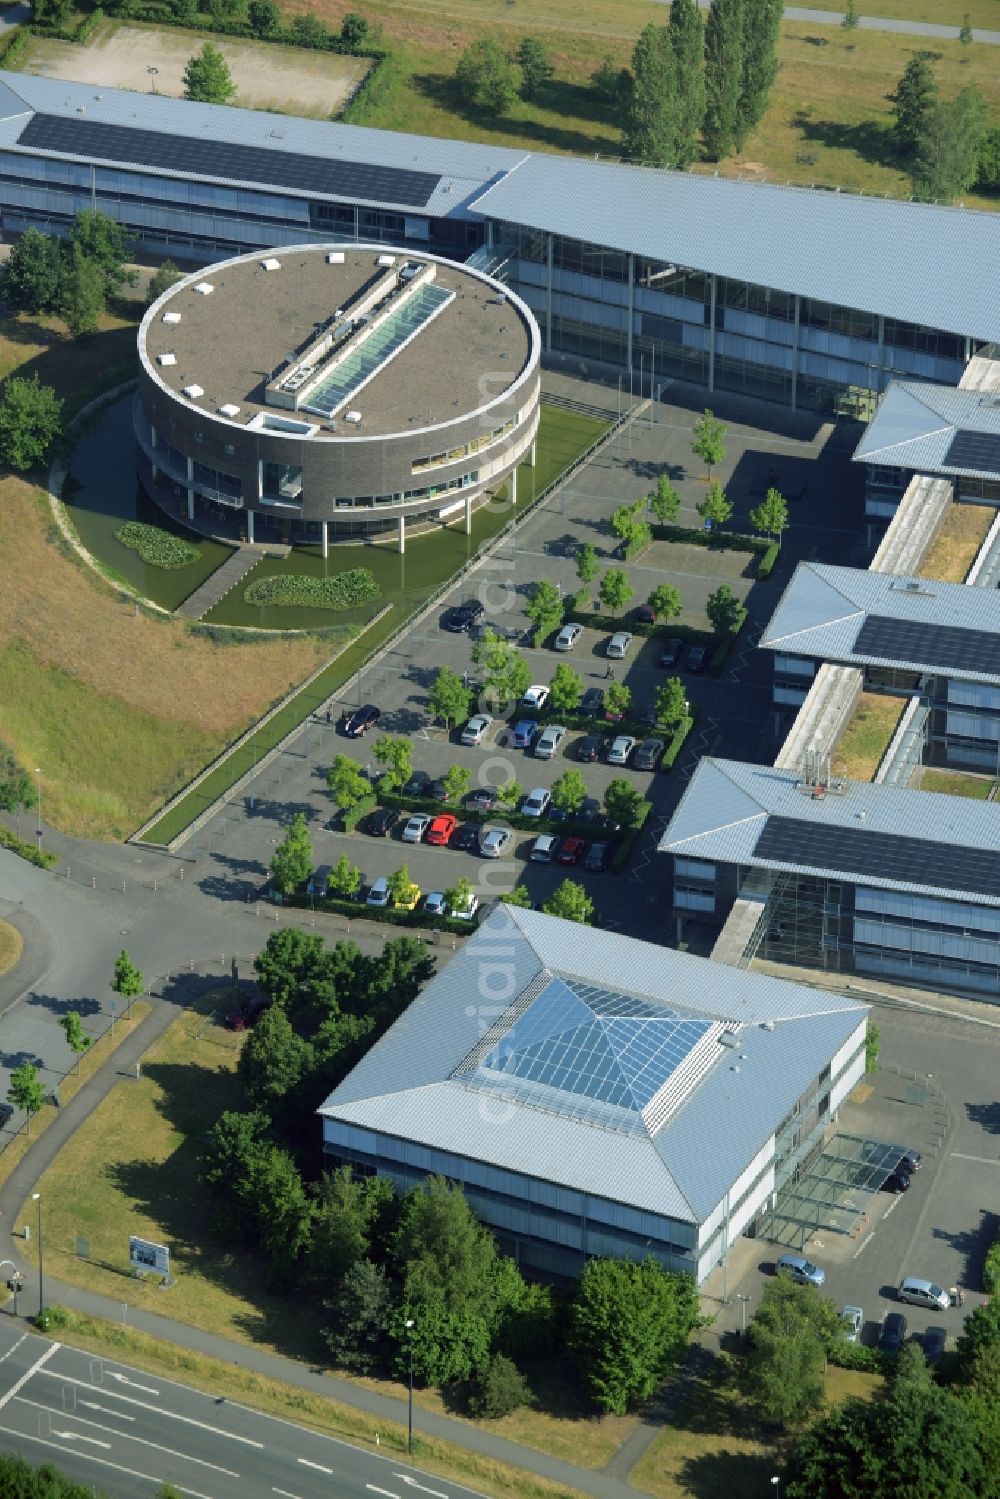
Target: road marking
{"x": 981, "y": 1160}
{"x": 284, "y": 1494}
{"x": 134, "y": 1384}
{"x": 126, "y": 1436}
{"x": 78, "y": 1436}
{"x": 864, "y": 1243}
{"x": 376, "y": 1490}
{"x": 20, "y": 1383}
{"x": 104, "y": 1462}
{"x": 15, "y": 1347}
{"x": 160, "y": 1410}
{"x": 415, "y": 1485}
{"x": 92, "y": 1405}
{"x": 318, "y": 1466}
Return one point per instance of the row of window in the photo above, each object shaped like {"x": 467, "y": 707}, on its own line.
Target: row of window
{"x": 476, "y": 445}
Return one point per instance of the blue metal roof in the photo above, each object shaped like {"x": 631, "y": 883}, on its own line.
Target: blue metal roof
{"x": 915, "y": 425}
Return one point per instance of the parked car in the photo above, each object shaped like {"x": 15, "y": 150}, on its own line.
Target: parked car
{"x": 495, "y": 841}
{"x": 598, "y": 858}
{"x": 435, "y": 903}
{"x": 468, "y": 911}
{"x": 591, "y": 748}
{"x": 698, "y": 657}
{"x": 853, "y": 1319}
{"x": 416, "y": 827}
{"x": 549, "y": 741}
{"x": 536, "y": 803}
{"x": 592, "y": 702}
{"x": 543, "y": 848}
{"x": 358, "y": 722}
{"x": 572, "y": 851}
{"x": 441, "y": 828}
{"x": 7, "y": 1111}
{"x": 476, "y": 728}
{"x": 935, "y": 1339}
{"x": 483, "y": 800}
{"x": 463, "y": 616}
{"x": 910, "y": 1160}
{"x": 644, "y": 614}
{"x": 378, "y": 895}
{"x": 381, "y": 822}
{"x": 409, "y": 900}
{"x": 893, "y": 1333}
{"x": 523, "y": 733}
{"x": 923, "y": 1293}
{"x": 896, "y": 1181}
{"x": 241, "y": 1019}
{"x": 618, "y": 645}
{"x": 672, "y": 652}
{"x": 466, "y": 838}
{"x": 568, "y": 637}
{"x": 647, "y": 756}
{"x": 620, "y": 749}
{"x": 535, "y": 697}
{"x": 318, "y": 880}
{"x": 438, "y": 791}
{"x": 801, "y": 1270}
{"x": 418, "y": 784}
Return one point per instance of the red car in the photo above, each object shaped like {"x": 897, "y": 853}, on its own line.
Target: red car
{"x": 572, "y": 851}
{"x": 441, "y": 828}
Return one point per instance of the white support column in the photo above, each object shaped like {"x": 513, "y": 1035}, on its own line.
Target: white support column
{"x": 468, "y": 515}
{"x": 190, "y": 488}
{"x": 250, "y": 525}
{"x": 531, "y": 460}
{"x": 152, "y": 444}
{"x": 326, "y": 539}
{"x": 513, "y": 486}
{"x": 402, "y": 534}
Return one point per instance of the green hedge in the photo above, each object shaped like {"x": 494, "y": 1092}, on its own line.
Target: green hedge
{"x": 623, "y": 852}
{"x": 724, "y": 647}
{"x": 344, "y": 590}
{"x": 669, "y": 628}
{"x": 390, "y": 915}
{"x": 352, "y": 815}
{"x": 768, "y": 560}
{"x": 89, "y": 25}
{"x": 26, "y": 850}
{"x": 856, "y": 1356}
{"x": 628, "y": 551}
{"x": 157, "y": 547}
{"x": 716, "y": 541}
{"x": 161, "y": 15}
{"x": 13, "y": 45}
{"x": 678, "y": 737}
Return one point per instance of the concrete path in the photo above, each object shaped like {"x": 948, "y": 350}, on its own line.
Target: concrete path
{"x": 222, "y": 581}
{"x": 878, "y": 23}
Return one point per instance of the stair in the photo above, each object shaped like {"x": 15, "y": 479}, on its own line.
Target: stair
{"x": 222, "y": 581}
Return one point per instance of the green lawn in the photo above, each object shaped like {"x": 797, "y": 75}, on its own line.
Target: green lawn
{"x": 866, "y": 737}
{"x": 957, "y": 783}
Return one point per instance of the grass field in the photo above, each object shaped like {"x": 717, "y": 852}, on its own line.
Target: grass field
{"x": 956, "y": 545}
{"x": 865, "y": 739}
{"x": 956, "y": 783}
{"x": 10, "y": 946}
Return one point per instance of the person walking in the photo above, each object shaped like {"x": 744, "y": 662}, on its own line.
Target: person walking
{"x": 609, "y": 675}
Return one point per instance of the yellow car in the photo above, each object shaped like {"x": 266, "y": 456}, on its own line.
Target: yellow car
{"x": 408, "y": 901}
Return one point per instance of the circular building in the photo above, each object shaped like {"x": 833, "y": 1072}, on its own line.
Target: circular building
{"x": 330, "y": 391}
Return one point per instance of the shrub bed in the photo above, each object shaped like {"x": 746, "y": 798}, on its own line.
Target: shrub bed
{"x": 716, "y": 541}
{"x": 343, "y": 591}
{"x": 26, "y": 850}
{"x": 351, "y": 816}
{"x": 629, "y": 837}
{"x": 676, "y": 744}
{"x": 856, "y": 1356}
{"x": 157, "y": 547}
{"x": 769, "y": 560}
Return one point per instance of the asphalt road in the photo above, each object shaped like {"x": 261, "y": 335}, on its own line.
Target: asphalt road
{"x": 128, "y": 1432}
{"x": 878, "y": 23}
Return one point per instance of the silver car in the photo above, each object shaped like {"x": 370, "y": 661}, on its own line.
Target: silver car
{"x": 549, "y": 741}
{"x": 475, "y": 730}
{"x": 620, "y": 751}
{"x": 801, "y": 1270}
{"x": 417, "y": 827}
{"x": 495, "y": 842}
{"x": 618, "y": 644}
{"x": 853, "y": 1319}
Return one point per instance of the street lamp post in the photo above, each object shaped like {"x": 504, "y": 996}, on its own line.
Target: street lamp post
{"x": 776, "y": 1484}
{"x": 38, "y": 784}
{"x": 742, "y": 1298}
{"x": 36, "y": 1198}
{"x": 409, "y": 1422}
{"x": 152, "y": 71}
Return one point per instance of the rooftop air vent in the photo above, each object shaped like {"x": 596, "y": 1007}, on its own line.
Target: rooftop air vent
{"x": 728, "y": 1039}
{"x": 354, "y": 417}
{"x": 166, "y": 358}
{"x": 204, "y": 288}
{"x": 171, "y": 317}
{"x": 767, "y": 1025}
{"x": 229, "y": 410}
{"x": 386, "y": 260}
{"x": 270, "y": 264}
{"x": 335, "y": 257}
{"x": 193, "y": 392}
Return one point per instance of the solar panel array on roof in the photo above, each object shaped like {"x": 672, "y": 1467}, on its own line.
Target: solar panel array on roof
{"x": 946, "y": 646}
{"x": 979, "y": 450}
{"x": 221, "y": 159}
{"x": 909, "y": 861}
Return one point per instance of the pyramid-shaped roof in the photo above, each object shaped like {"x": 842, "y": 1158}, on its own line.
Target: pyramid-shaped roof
{"x": 934, "y": 429}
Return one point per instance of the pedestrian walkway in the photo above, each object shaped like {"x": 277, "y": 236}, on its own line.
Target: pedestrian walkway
{"x": 222, "y": 581}
{"x": 879, "y": 23}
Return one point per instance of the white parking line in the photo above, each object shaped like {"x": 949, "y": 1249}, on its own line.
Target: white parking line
{"x": 386, "y": 1492}
{"x": 981, "y": 1160}
{"x": 284, "y": 1494}
{"x": 20, "y": 1383}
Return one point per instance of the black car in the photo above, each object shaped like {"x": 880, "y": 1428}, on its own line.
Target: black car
{"x": 592, "y": 702}
{"x": 437, "y": 791}
{"x": 380, "y": 823}
{"x": 672, "y": 652}
{"x": 647, "y": 756}
{"x": 590, "y": 748}
{"x": 466, "y": 838}
{"x": 598, "y": 857}
{"x": 417, "y": 784}
{"x": 463, "y": 616}
{"x": 935, "y": 1339}
{"x": 893, "y": 1333}
{"x": 910, "y": 1161}
{"x": 361, "y": 720}
{"x": 897, "y": 1181}
{"x": 698, "y": 657}
{"x": 483, "y": 800}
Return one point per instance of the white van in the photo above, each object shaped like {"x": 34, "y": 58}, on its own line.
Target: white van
{"x": 924, "y": 1293}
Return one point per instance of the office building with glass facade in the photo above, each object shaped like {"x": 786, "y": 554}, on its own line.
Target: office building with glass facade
{"x": 939, "y": 430}
{"x": 597, "y": 1095}
{"x": 813, "y": 299}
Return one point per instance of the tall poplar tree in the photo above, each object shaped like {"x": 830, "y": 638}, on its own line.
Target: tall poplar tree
{"x": 651, "y": 112}
{"x": 761, "y": 30}
{"x": 687, "y": 36}
{"x": 913, "y": 102}
{"x": 723, "y": 76}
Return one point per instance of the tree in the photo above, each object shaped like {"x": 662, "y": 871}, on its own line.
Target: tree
{"x": 30, "y": 422}
{"x": 545, "y": 607}
{"x": 232, "y": 1147}
{"x": 459, "y": 896}
{"x": 715, "y": 507}
{"x": 771, "y": 515}
{"x": 519, "y": 896}
{"x": 292, "y": 860}
{"x": 665, "y": 501}
{"x": 650, "y": 124}
{"x": 264, "y": 17}
{"x": 344, "y": 878}
{"x": 361, "y": 1312}
{"x": 449, "y": 698}
{"x": 353, "y": 31}
{"x": 51, "y": 13}
{"x": 395, "y": 754}
{"x": 947, "y": 158}
{"x": 707, "y": 441}
{"x": 852, "y": 18}
{"x": 536, "y": 66}
{"x": 789, "y": 1340}
{"x": 283, "y": 1210}
{"x": 273, "y": 1061}
{"x": 128, "y": 980}
{"x": 105, "y": 242}
{"x": 565, "y": 689}
{"x": 723, "y": 76}
{"x": 82, "y": 300}
{"x": 498, "y": 1390}
{"x": 346, "y": 1211}
{"x": 615, "y": 590}
{"x": 401, "y": 887}
{"x": 31, "y": 278}
{"x": 456, "y": 782}
{"x": 25, "y": 1091}
{"x": 628, "y": 525}
{"x": 76, "y": 1037}
{"x": 989, "y": 159}
{"x": 169, "y": 274}
{"x": 913, "y": 103}
{"x": 724, "y": 610}
{"x": 665, "y": 601}
{"x": 587, "y": 564}
{"x": 981, "y": 1397}
{"x": 612, "y": 82}
{"x": 873, "y": 1043}
{"x": 569, "y": 791}
{"x": 347, "y": 782}
{"x": 671, "y": 702}
{"x": 687, "y": 38}
{"x": 207, "y": 77}
{"x": 622, "y": 802}
{"x": 981, "y": 1331}
{"x": 506, "y": 674}
{"x": 965, "y": 36}
{"x": 309, "y": 31}
{"x": 511, "y": 792}
{"x": 761, "y": 25}
{"x": 291, "y": 960}
{"x": 628, "y": 1323}
{"x": 570, "y": 901}
{"x": 486, "y": 78}
{"x": 618, "y": 699}
{"x": 17, "y": 789}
